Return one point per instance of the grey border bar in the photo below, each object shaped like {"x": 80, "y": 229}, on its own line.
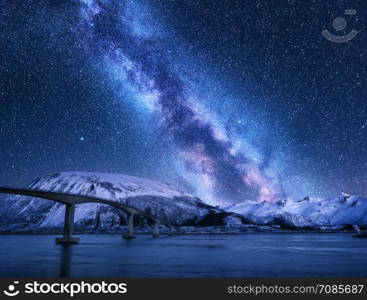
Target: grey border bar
{"x": 188, "y": 288}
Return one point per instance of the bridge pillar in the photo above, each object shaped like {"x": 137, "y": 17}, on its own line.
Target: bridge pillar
{"x": 155, "y": 232}
{"x": 179, "y": 231}
{"x": 68, "y": 226}
{"x": 170, "y": 232}
{"x": 130, "y": 228}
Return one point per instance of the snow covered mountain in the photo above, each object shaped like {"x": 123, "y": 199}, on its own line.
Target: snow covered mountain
{"x": 20, "y": 213}
{"x": 158, "y": 199}
{"x": 308, "y": 212}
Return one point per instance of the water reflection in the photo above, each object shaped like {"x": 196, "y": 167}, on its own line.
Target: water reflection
{"x": 65, "y": 260}
{"x": 243, "y": 255}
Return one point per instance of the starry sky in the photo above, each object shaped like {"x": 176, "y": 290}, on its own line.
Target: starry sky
{"x": 227, "y": 100}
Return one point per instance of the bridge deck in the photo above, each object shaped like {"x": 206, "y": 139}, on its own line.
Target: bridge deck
{"x": 70, "y": 200}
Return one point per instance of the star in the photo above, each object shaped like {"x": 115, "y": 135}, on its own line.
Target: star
{"x": 218, "y": 109}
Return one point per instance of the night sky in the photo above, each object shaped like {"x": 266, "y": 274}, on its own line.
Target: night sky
{"x": 228, "y": 100}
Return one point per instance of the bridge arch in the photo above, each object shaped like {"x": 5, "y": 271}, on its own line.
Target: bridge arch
{"x": 71, "y": 200}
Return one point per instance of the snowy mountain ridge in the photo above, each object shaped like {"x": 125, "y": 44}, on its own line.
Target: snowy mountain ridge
{"x": 152, "y": 197}
{"x": 341, "y": 210}
{"x": 21, "y": 213}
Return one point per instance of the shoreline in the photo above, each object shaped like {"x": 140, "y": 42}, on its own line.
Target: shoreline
{"x": 186, "y": 233}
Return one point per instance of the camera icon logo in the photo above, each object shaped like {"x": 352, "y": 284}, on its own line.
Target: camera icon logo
{"x": 11, "y": 292}
{"x": 339, "y": 24}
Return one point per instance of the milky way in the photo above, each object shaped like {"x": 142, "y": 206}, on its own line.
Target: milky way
{"x": 226, "y": 100}
{"x": 220, "y": 172}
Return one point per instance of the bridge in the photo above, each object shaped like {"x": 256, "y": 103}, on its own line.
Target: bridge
{"x": 71, "y": 200}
